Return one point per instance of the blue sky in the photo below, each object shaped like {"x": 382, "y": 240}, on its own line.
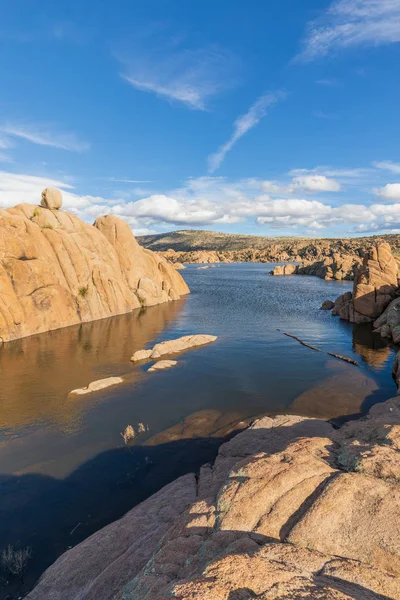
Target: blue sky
{"x": 275, "y": 117}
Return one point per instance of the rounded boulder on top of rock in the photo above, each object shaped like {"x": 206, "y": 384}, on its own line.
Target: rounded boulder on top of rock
{"x": 51, "y": 198}
{"x": 327, "y": 305}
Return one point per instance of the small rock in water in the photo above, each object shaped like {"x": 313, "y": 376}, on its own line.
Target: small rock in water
{"x": 141, "y": 355}
{"x": 95, "y": 386}
{"x": 161, "y": 365}
{"x": 173, "y": 346}
{"x": 327, "y": 305}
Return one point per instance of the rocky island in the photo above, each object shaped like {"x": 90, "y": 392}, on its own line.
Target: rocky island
{"x": 56, "y": 270}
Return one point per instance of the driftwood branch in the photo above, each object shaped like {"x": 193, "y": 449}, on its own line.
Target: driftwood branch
{"x": 338, "y": 356}
{"x": 302, "y": 343}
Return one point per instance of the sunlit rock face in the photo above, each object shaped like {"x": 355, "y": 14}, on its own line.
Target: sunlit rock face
{"x": 56, "y": 270}
{"x": 375, "y": 286}
{"x": 291, "y": 508}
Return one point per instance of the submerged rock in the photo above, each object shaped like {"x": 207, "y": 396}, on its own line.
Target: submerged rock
{"x": 174, "y": 346}
{"x": 161, "y": 365}
{"x": 95, "y": 386}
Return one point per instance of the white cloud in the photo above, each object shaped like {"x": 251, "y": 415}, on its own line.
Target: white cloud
{"x": 388, "y": 165}
{"x": 243, "y": 124}
{"x": 390, "y": 191}
{"x": 44, "y": 137}
{"x": 192, "y": 77}
{"x": 213, "y": 201}
{"x": 351, "y": 23}
{"x": 316, "y": 183}
{"x": 18, "y": 188}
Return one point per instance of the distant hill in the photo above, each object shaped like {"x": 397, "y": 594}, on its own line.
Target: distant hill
{"x": 193, "y": 239}
{"x": 199, "y": 240}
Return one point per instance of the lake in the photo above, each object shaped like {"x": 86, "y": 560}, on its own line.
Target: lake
{"x": 65, "y": 471}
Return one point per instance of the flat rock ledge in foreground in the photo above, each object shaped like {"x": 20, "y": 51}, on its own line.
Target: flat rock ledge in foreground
{"x": 291, "y": 509}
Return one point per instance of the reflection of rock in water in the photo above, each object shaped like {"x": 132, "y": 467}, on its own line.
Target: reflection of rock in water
{"x": 204, "y": 423}
{"x": 373, "y": 348}
{"x": 340, "y": 394}
{"x": 38, "y": 372}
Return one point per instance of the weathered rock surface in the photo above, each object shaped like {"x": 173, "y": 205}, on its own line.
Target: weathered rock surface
{"x": 56, "y": 270}
{"x": 51, "y": 198}
{"x": 174, "y": 346}
{"x": 284, "y": 270}
{"x": 161, "y": 365}
{"x": 96, "y": 386}
{"x": 375, "y": 286}
{"x": 376, "y": 282}
{"x": 100, "y": 566}
{"x": 327, "y": 305}
{"x": 388, "y": 324}
{"x": 286, "y": 512}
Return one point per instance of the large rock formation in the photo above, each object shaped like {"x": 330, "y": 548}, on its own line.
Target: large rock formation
{"x": 56, "y": 270}
{"x": 375, "y": 286}
{"x": 291, "y": 509}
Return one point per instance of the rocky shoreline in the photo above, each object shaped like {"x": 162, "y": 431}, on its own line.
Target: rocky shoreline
{"x": 290, "y": 508}
{"x": 330, "y": 259}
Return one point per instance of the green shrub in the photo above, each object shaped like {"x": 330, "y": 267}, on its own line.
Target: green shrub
{"x": 83, "y": 291}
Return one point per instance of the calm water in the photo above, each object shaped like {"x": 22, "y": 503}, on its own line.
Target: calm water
{"x": 65, "y": 470}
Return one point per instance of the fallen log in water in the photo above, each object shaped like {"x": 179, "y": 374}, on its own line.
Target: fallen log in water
{"x": 345, "y": 358}
{"x": 338, "y": 356}
{"x": 303, "y": 343}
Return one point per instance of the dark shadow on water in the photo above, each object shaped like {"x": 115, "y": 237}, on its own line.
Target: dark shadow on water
{"x": 41, "y": 512}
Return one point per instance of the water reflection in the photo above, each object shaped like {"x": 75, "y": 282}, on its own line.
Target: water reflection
{"x": 372, "y": 347}
{"x": 38, "y": 372}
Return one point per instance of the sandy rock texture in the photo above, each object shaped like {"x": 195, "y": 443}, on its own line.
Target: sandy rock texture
{"x": 56, "y": 270}
{"x": 174, "y": 346}
{"x": 95, "y": 386}
{"x": 375, "y": 286}
{"x": 284, "y": 270}
{"x": 162, "y": 365}
{"x": 338, "y": 267}
{"x": 100, "y": 566}
{"x": 291, "y": 509}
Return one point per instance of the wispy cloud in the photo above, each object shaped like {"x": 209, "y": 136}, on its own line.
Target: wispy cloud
{"x": 191, "y": 77}
{"x": 388, "y": 165}
{"x": 243, "y": 124}
{"x": 351, "y": 23}
{"x": 44, "y": 136}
